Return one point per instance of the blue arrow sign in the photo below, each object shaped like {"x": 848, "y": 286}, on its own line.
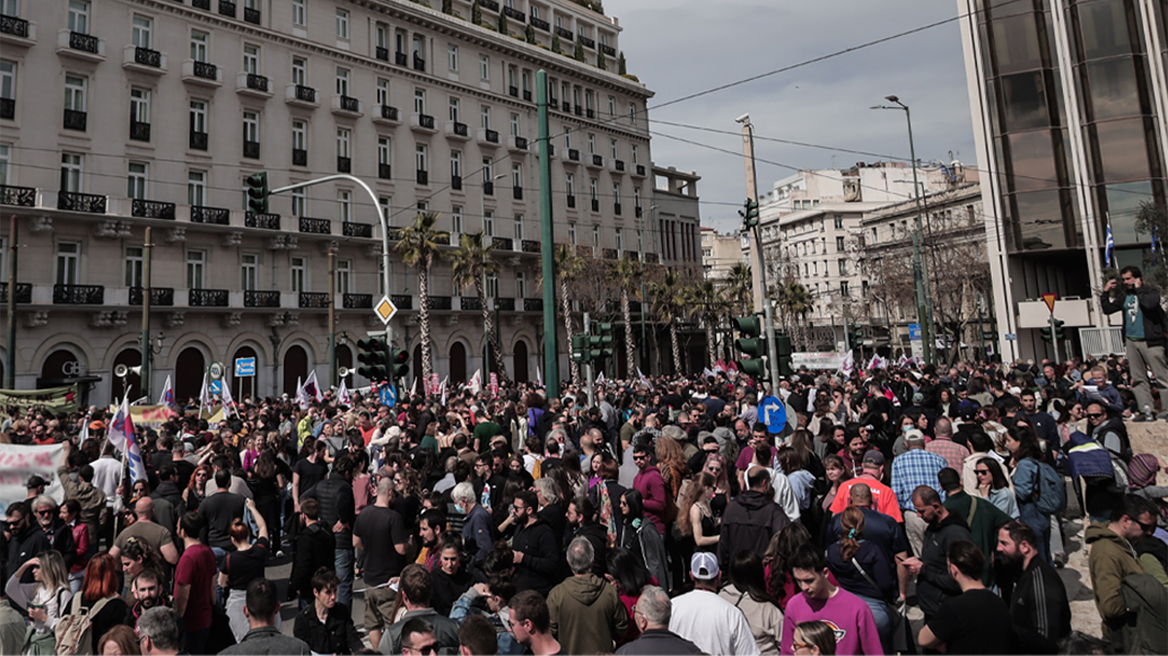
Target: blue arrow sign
{"x": 216, "y": 387}
{"x": 388, "y": 395}
{"x": 773, "y": 413}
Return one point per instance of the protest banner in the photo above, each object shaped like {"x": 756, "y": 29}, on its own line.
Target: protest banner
{"x": 53, "y": 399}
{"x": 19, "y": 462}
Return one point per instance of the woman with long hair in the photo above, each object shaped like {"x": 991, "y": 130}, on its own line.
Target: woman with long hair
{"x": 671, "y": 462}
{"x": 747, "y": 591}
{"x": 814, "y": 638}
{"x": 99, "y": 598}
{"x": 501, "y": 514}
{"x": 138, "y": 555}
{"x": 266, "y": 480}
{"x": 629, "y": 576}
{"x": 695, "y": 519}
{"x": 197, "y": 487}
{"x": 450, "y": 578}
{"x": 803, "y": 443}
{"x": 862, "y": 569}
{"x": 71, "y": 515}
{"x": 994, "y": 486}
{"x": 1027, "y": 454}
{"x": 837, "y": 473}
{"x": 640, "y": 536}
{"x": 407, "y": 500}
{"x": 791, "y": 462}
{"x": 242, "y": 566}
{"x": 45, "y": 600}
{"x": 780, "y": 583}
{"x": 716, "y": 466}
{"x": 605, "y": 496}
{"x": 119, "y": 641}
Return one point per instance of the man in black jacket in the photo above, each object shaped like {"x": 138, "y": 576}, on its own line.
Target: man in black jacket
{"x": 934, "y": 584}
{"x": 338, "y": 510}
{"x": 582, "y": 523}
{"x": 751, "y": 519}
{"x": 325, "y": 625}
{"x": 315, "y": 547}
{"x": 537, "y": 560}
{"x": 1145, "y": 332}
{"x": 1039, "y": 610}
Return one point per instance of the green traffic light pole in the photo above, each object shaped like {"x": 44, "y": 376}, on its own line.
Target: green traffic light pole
{"x": 551, "y": 362}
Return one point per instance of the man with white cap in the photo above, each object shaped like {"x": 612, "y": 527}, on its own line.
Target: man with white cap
{"x": 707, "y": 620}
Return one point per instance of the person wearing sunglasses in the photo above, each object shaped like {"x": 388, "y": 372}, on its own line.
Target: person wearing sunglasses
{"x": 1112, "y": 557}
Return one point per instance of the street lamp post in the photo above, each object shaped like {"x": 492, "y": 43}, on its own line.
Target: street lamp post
{"x": 920, "y": 273}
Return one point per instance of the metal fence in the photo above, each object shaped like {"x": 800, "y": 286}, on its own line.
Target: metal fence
{"x": 1100, "y": 342}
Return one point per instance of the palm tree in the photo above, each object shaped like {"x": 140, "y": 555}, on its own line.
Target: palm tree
{"x": 667, "y": 303}
{"x": 626, "y": 274}
{"x": 739, "y": 287}
{"x": 709, "y": 306}
{"x": 469, "y": 264}
{"x": 795, "y": 302}
{"x": 418, "y": 245}
{"x": 569, "y": 266}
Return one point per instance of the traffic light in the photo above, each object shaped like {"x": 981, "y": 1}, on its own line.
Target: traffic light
{"x": 1056, "y": 327}
{"x": 750, "y": 213}
{"x": 753, "y": 346}
{"x": 783, "y": 352}
{"x": 401, "y": 363}
{"x": 855, "y": 335}
{"x": 580, "y": 348}
{"x": 257, "y": 193}
{"x": 372, "y": 355}
{"x": 600, "y": 342}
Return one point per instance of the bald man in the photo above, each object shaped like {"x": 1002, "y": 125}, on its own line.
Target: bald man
{"x": 146, "y": 530}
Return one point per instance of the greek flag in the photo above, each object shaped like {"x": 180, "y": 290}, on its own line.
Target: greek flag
{"x": 1110, "y": 246}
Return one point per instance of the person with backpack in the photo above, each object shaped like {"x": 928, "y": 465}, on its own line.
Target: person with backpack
{"x": 1039, "y": 489}
{"x": 93, "y": 612}
{"x": 46, "y": 600}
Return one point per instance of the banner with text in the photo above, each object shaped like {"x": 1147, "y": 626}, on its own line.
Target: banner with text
{"x": 54, "y": 399}
{"x": 824, "y": 361}
{"x": 18, "y": 463}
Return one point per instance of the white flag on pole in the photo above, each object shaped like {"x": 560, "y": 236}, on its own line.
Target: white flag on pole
{"x": 167, "y": 398}
{"x": 302, "y": 399}
{"x": 343, "y": 395}
{"x": 229, "y": 408}
{"x": 205, "y": 393}
{"x": 312, "y": 387}
{"x": 476, "y": 382}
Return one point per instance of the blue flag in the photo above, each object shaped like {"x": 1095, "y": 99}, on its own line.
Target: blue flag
{"x": 1110, "y": 246}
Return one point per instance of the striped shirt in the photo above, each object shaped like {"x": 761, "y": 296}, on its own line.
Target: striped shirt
{"x": 952, "y": 452}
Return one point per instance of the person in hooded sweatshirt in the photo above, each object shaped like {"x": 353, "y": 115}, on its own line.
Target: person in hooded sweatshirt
{"x": 751, "y": 519}
{"x": 586, "y": 612}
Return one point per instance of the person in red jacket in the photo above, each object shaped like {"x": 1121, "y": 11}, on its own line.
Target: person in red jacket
{"x": 651, "y": 486}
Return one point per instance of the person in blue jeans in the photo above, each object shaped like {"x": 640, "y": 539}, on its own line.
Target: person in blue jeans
{"x": 1023, "y": 444}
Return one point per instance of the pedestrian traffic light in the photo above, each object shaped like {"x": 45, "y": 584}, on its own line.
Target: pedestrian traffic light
{"x": 257, "y": 193}
{"x": 753, "y": 346}
{"x": 600, "y": 342}
{"x": 783, "y": 352}
{"x": 750, "y": 213}
{"x": 401, "y": 363}
{"x": 855, "y": 335}
{"x": 580, "y": 348}
{"x": 371, "y": 353}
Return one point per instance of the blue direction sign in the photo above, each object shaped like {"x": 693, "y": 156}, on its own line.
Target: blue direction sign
{"x": 388, "y": 395}
{"x": 245, "y": 367}
{"x": 216, "y": 387}
{"x": 914, "y": 332}
{"x": 773, "y": 413}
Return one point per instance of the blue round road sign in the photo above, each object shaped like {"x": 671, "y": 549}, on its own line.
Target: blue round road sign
{"x": 388, "y": 395}
{"x": 773, "y": 413}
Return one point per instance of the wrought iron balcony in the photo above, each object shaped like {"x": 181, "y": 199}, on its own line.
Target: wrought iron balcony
{"x": 401, "y": 59}
{"x": 84, "y": 42}
{"x": 423, "y": 177}
{"x": 503, "y": 243}
{"x": 553, "y": 103}
{"x": 574, "y": 154}
{"x": 78, "y": 295}
{"x": 163, "y": 296}
{"x": 419, "y": 63}
{"x": 504, "y": 304}
{"x": 350, "y": 104}
{"x": 578, "y": 110}
{"x": 19, "y": 196}
{"x": 589, "y": 113}
{"x": 299, "y": 157}
{"x": 489, "y": 5}
{"x": 261, "y": 299}
{"x": 350, "y": 229}
{"x": 513, "y": 91}
{"x": 148, "y": 57}
{"x": 512, "y": 12}
{"x": 517, "y": 193}
{"x": 488, "y": 188}
{"x": 533, "y": 305}
{"x": 14, "y": 26}
{"x": 251, "y": 15}
{"x": 469, "y": 303}
{"x": 227, "y": 8}
{"x": 251, "y": 149}
{"x": 389, "y": 113}
{"x": 23, "y": 292}
{"x": 201, "y": 4}
{"x": 382, "y": 53}
{"x": 438, "y": 302}
{"x": 616, "y": 209}
{"x": 530, "y": 246}
{"x": 597, "y": 160}
{"x": 152, "y": 209}
{"x": 79, "y": 202}
{"x": 317, "y": 300}
{"x": 641, "y": 170}
{"x": 75, "y": 120}
{"x": 212, "y": 215}
{"x": 198, "y": 140}
{"x": 205, "y": 70}
{"x": 527, "y": 95}
{"x": 207, "y": 298}
{"x": 385, "y": 171}
{"x": 540, "y": 24}
{"x": 344, "y": 164}
{"x": 595, "y": 204}
{"x": 651, "y": 258}
{"x": 139, "y": 131}
{"x": 566, "y": 106}
{"x": 305, "y": 94}
{"x": 608, "y": 50}
{"x": 456, "y": 182}
{"x": 587, "y": 42}
{"x": 426, "y": 121}
{"x": 618, "y": 164}
{"x": 264, "y": 221}
{"x": 571, "y": 201}
{"x": 358, "y": 301}
{"x": 491, "y": 135}
{"x": 257, "y": 82}
{"x": 460, "y": 129}
{"x": 315, "y": 226}
{"x": 8, "y": 108}
{"x": 564, "y": 33}
{"x": 402, "y": 301}
{"x": 521, "y": 143}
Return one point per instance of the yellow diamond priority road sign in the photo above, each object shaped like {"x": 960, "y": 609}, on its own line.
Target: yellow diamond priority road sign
{"x": 385, "y": 309}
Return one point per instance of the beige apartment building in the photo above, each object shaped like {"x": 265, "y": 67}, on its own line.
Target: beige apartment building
{"x": 117, "y": 115}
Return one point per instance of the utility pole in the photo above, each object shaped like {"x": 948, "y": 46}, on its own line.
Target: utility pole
{"x": 588, "y": 363}
{"x": 332, "y": 317}
{"x": 147, "y": 351}
{"x": 10, "y": 355}
{"x": 758, "y": 272}
{"x": 551, "y": 353}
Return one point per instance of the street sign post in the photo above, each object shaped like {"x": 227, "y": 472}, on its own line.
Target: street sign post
{"x": 245, "y": 367}
{"x": 1050, "y": 299}
{"x": 388, "y": 394}
{"x": 216, "y": 387}
{"x": 773, "y": 413}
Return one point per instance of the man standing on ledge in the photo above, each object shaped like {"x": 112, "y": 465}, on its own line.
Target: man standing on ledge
{"x": 1144, "y": 329}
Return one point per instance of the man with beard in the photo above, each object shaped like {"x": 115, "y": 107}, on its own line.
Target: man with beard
{"x": 430, "y": 525}
{"x": 24, "y": 540}
{"x": 149, "y": 592}
{"x": 1039, "y": 610}
{"x": 582, "y": 524}
{"x": 58, "y": 534}
{"x": 1144, "y": 327}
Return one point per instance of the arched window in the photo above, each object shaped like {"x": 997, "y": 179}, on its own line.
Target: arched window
{"x": 295, "y": 368}
{"x": 188, "y": 374}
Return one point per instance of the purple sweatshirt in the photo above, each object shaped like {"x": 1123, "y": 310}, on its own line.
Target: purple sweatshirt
{"x": 845, "y": 613}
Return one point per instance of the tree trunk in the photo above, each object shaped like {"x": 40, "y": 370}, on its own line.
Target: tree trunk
{"x": 626, "y": 313}
{"x": 424, "y": 320}
{"x": 492, "y": 333}
{"x": 569, "y": 328}
{"x": 710, "y": 355}
{"x": 676, "y": 347}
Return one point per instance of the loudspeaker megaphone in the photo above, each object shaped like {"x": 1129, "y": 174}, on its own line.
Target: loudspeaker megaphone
{"x": 344, "y": 371}
{"x": 121, "y": 370}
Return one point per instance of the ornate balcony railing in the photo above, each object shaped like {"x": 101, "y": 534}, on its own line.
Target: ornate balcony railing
{"x": 385, "y": 171}
{"x": 215, "y": 215}
{"x": 299, "y": 157}
{"x": 205, "y": 70}
{"x": 438, "y": 302}
{"x": 162, "y": 296}
{"x": 491, "y": 135}
{"x": 571, "y": 201}
{"x": 423, "y": 177}
{"x": 540, "y": 23}
{"x": 139, "y": 131}
{"x": 533, "y": 305}
{"x": 251, "y": 15}
{"x": 517, "y": 193}
{"x": 470, "y": 303}
{"x": 8, "y": 108}
{"x": 152, "y": 209}
{"x": 148, "y": 57}
{"x": 79, "y": 202}
{"x": 23, "y": 292}
{"x": 595, "y": 204}
{"x": 344, "y": 164}
{"x": 489, "y": 5}
{"x": 456, "y": 182}
{"x": 227, "y": 8}
{"x": 315, "y": 226}
{"x": 382, "y": 53}
{"x": 257, "y": 82}
{"x": 198, "y": 140}
{"x": 513, "y": 91}
{"x": 14, "y": 26}
{"x": 317, "y": 300}
{"x": 504, "y": 304}
{"x": 357, "y": 301}
{"x": 587, "y": 42}
{"x": 598, "y": 160}
{"x": 426, "y": 121}
{"x": 207, "y": 298}
{"x": 265, "y": 221}
{"x": 460, "y": 129}
{"x": 84, "y": 42}
{"x": 618, "y": 164}
{"x": 306, "y": 94}
{"x": 503, "y": 243}
{"x": 641, "y": 170}
{"x": 201, "y": 4}
{"x": 616, "y": 209}
{"x": 389, "y": 113}
{"x": 512, "y": 12}
{"x": 402, "y": 301}
{"x": 632, "y": 255}
{"x": 488, "y": 188}
{"x": 608, "y": 50}
{"x": 419, "y": 63}
{"x": 78, "y": 295}
{"x": 19, "y": 196}
{"x": 401, "y": 59}
{"x": 350, "y": 229}
{"x": 574, "y": 154}
{"x": 565, "y": 33}
{"x": 521, "y": 143}
{"x": 251, "y": 149}
{"x": 75, "y": 120}
{"x": 350, "y": 104}
{"x": 261, "y": 299}
{"x": 530, "y": 246}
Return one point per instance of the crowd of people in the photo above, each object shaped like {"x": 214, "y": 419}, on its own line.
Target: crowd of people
{"x": 661, "y": 518}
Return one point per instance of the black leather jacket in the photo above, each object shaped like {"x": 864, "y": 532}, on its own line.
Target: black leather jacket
{"x": 335, "y": 495}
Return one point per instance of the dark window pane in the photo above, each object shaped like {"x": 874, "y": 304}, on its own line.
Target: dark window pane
{"x": 1024, "y": 99}
{"x": 1105, "y": 28}
{"x": 1114, "y": 89}
{"x": 1033, "y": 160}
{"x": 1039, "y": 221}
{"x": 1123, "y": 203}
{"x": 1123, "y": 151}
{"x": 1016, "y": 44}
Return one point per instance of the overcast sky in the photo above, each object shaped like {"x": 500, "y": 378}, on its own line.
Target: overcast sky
{"x": 681, "y": 47}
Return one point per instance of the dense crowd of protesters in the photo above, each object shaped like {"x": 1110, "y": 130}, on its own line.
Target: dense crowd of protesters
{"x": 663, "y": 518}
